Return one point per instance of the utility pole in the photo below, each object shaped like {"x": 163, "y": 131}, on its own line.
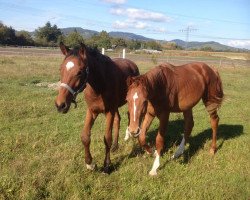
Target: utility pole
{"x": 188, "y": 30}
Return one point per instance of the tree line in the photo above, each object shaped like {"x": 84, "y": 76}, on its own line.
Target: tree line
{"x": 50, "y": 36}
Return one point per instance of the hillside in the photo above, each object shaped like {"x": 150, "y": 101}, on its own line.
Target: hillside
{"x": 198, "y": 45}
{"x": 84, "y": 32}
{"x": 131, "y": 36}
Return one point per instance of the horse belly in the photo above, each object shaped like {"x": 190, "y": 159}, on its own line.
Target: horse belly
{"x": 190, "y": 94}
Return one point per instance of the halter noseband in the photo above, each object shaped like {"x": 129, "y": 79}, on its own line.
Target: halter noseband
{"x": 72, "y": 91}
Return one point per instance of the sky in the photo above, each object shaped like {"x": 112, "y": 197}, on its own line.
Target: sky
{"x": 224, "y": 21}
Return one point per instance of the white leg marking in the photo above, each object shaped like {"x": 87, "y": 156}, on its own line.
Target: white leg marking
{"x": 127, "y": 135}
{"x": 180, "y": 150}
{"x": 69, "y": 65}
{"x": 135, "y": 97}
{"x": 91, "y": 166}
{"x": 155, "y": 165}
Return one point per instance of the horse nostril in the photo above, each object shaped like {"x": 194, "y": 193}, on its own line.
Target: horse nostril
{"x": 61, "y": 107}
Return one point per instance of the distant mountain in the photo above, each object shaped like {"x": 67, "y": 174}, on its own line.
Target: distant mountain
{"x": 84, "y": 32}
{"x": 198, "y": 45}
{"x": 131, "y": 36}
{"x": 128, "y": 36}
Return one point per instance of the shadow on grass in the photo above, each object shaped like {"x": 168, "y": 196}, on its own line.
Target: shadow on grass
{"x": 175, "y": 133}
{"x": 174, "y": 136}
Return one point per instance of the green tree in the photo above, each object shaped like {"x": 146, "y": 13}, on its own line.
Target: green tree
{"x": 134, "y": 44}
{"x": 207, "y": 48}
{"x": 24, "y": 38}
{"x": 119, "y": 42}
{"x": 73, "y": 39}
{"x": 7, "y": 35}
{"x": 153, "y": 45}
{"x": 47, "y": 35}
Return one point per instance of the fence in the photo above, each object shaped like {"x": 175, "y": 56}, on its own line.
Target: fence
{"x": 174, "y": 57}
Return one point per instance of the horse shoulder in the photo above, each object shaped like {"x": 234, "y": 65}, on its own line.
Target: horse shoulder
{"x": 94, "y": 101}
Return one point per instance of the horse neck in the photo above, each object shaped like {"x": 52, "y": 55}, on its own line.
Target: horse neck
{"x": 96, "y": 74}
{"x": 159, "y": 81}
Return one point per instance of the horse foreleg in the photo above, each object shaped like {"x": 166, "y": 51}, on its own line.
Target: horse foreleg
{"x": 214, "y": 120}
{"x": 117, "y": 120}
{"x": 159, "y": 142}
{"x": 142, "y": 137}
{"x": 108, "y": 140}
{"x": 188, "y": 126}
{"x": 85, "y": 137}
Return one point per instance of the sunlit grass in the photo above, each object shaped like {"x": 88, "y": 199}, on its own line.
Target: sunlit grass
{"x": 42, "y": 156}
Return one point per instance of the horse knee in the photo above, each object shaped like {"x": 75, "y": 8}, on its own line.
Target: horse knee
{"x": 85, "y": 139}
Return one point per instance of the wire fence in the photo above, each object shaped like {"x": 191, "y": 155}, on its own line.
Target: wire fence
{"x": 218, "y": 59}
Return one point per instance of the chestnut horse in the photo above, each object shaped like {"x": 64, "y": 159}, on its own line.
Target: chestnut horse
{"x": 103, "y": 81}
{"x": 165, "y": 89}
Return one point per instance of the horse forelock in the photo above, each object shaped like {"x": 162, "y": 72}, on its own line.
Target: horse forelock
{"x": 139, "y": 82}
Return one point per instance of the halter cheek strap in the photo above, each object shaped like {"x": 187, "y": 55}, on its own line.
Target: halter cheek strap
{"x": 68, "y": 88}
{"x": 73, "y": 92}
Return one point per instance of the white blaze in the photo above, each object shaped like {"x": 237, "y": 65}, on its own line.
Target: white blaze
{"x": 135, "y": 97}
{"x": 69, "y": 65}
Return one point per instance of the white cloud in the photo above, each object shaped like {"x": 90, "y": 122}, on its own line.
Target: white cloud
{"x": 134, "y": 13}
{"x": 130, "y": 24}
{"x": 240, "y": 43}
{"x": 160, "y": 30}
{"x": 115, "y": 1}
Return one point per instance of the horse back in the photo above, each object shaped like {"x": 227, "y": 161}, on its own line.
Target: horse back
{"x": 194, "y": 82}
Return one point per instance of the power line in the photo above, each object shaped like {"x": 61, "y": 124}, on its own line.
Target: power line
{"x": 188, "y": 30}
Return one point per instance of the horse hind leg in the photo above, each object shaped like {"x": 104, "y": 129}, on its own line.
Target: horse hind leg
{"x": 188, "y": 127}
{"x": 214, "y": 121}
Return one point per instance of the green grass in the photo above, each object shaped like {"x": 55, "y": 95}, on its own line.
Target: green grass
{"x": 42, "y": 156}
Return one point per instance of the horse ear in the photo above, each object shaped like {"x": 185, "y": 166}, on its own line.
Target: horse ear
{"x": 82, "y": 50}
{"x": 129, "y": 80}
{"x": 143, "y": 80}
{"x": 64, "y": 49}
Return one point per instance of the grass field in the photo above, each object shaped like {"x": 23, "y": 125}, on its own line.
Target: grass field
{"x": 42, "y": 157}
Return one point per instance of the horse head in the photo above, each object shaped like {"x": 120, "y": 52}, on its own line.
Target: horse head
{"x": 74, "y": 72}
{"x": 137, "y": 103}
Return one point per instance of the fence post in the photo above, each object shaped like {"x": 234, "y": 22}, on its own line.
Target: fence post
{"x": 103, "y": 51}
{"x": 123, "y": 53}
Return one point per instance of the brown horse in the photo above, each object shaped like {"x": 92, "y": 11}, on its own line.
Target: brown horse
{"x": 104, "y": 83}
{"x": 166, "y": 89}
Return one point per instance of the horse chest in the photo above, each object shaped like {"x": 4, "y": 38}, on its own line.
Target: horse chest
{"x": 94, "y": 102}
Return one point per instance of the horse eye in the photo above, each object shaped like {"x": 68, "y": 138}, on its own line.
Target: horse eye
{"x": 79, "y": 73}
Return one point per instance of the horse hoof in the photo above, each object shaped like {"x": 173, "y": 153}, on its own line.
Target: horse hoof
{"x": 152, "y": 173}
{"x": 91, "y": 166}
{"x": 212, "y": 151}
{"x": 107, "y": 170}
{"x": 114, "y": 148}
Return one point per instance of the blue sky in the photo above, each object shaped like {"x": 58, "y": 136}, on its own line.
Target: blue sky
{"x": 224, "y": 21}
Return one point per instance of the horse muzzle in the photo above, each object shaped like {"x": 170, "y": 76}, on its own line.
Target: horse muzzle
{"x": 63, "y": 107}
{"x": 135, "y": 133}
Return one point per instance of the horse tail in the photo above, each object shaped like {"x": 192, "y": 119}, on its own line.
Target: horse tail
{"x": 216, "y": 94}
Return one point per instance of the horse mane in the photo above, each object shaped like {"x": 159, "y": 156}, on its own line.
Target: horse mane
{"x": 160, "y": 76}
{"x": 93, "y": 52}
